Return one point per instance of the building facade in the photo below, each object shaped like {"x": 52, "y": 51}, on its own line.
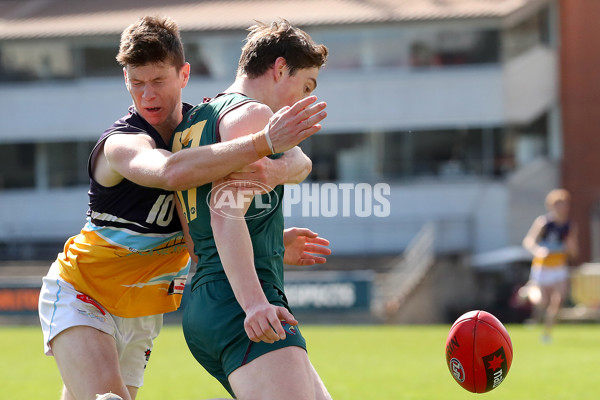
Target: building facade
{"x": 452, "y": 106}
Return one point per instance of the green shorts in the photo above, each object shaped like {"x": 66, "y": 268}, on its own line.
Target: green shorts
{"x": 213, "y": 326}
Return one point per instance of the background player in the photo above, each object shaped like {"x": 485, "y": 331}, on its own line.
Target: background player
{"x": 552, "y": 239}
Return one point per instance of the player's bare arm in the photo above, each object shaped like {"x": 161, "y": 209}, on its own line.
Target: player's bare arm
{"x": 291, "y": 168}
{"x": 530, "y": 242}
{"x": 136, "y": 157}
{"x": 262, "y": 322}
{"x": 234, "y": 244}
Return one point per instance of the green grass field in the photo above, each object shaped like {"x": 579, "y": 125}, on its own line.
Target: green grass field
{"x": 356, "y": 363}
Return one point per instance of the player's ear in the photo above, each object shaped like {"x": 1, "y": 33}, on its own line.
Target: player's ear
{"x": 125, "y": 77}
{"x": 279, "y": 68}
{"x": 185, "y": 74}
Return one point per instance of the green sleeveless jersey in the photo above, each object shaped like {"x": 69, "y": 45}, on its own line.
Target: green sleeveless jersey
{"x": 264, "y": 217}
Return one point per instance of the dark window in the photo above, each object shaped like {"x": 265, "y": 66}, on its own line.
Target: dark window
{"x": 17, "y": 166}
{"x": 101, "y": 61}
{"x": 67, "y": 163}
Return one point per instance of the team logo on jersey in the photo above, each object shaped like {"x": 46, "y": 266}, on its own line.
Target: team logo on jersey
{"x": 289, "y": 329}
{"x": 231, "y": 196}
{"x": 177, "y": 285}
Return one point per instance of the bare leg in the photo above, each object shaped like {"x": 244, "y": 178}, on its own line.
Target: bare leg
{"x": 556, "y": 296}
{"x": 281, "y": 374}
{"x": 89, "y": 364}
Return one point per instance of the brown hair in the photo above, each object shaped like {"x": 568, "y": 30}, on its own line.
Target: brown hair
{"x": 151, "y": 39}
{"x": 265, "y": 43}
{"x": 557, "y": 195}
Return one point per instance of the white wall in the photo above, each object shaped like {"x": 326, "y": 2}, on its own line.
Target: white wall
{"x": 468, "y": 216}
{"x": 357, "y": 101}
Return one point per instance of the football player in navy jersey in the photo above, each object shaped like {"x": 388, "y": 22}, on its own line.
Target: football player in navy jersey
{"x": 102, "y": 301}
{"x": 552, "y": 240}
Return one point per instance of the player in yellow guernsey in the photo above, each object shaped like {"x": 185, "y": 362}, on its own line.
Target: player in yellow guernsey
{"x": 552, "y": 239}
{"x": 102, "y": 301}
{"x": 238, "y": 323}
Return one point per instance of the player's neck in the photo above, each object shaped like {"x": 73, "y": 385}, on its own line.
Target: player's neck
{"x": 256, "y": 88}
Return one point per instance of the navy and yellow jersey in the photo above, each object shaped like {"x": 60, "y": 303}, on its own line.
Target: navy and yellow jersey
{"x": 553, "y": 236}
{"x": 130, "y": 256}
{"x": 264, "y": 217}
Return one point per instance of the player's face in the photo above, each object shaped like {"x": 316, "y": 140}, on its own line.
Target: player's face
{"x": 156, "y": 92}
{"x": 561, "y": 209}
{"x": 296, "y": 87}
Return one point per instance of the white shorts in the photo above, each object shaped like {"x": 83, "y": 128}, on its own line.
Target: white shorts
{"x": 61, "y": 307}
{"x": 548, "y": 276}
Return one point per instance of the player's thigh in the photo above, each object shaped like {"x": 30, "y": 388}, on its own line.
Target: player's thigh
{"x": 135, "y": 342}
{"x": 321, "y": 392}
{"x": 88, "y": 362}
{"x": 132, "y": 391}
{"x": 559, "y": 292}
{"x": 281, "y": 374}
{"x": 563, "y": 287}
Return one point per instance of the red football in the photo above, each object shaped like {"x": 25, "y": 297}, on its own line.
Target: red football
{"x": 478, "y": 351}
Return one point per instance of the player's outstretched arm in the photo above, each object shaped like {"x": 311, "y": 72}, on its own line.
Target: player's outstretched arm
{"x": 284, "y": 130}
{"x": 136, "y": 157}
{"x": 291, "y": 168}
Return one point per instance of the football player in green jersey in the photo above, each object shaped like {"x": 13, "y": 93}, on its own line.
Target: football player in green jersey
{"x": 237, "y": 323}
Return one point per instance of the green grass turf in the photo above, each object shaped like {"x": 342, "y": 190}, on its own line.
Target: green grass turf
{"x": 356, "y": 362}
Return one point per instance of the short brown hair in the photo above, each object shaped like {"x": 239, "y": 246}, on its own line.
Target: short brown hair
{"x": 265, "y": 43}
{"x": 557, "y": 195}
{"x": 151, "y": 39}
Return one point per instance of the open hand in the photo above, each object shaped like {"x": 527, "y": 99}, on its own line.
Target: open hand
{"x": 304, "y": 247}
{"x": 291, "y": 125}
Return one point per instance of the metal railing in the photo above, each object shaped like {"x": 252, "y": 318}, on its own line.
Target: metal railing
{"x": 406, "y": 272}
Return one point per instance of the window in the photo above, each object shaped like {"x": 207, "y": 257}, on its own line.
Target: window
{"x": 527, "y": 34}
{"x": 446, "y": 153}
{"x": 23, "y": 61}
{"x": 454, "y": 47}
{"x": 439, "y": 154}
{"x": 44, "y": 165}
{"x": 67, "y": 163}
{"x": 340, "y": 157}
{"x": 101, "y": 61}
{"x": 17, "y": 166}
{"x": 195, "y": 56}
